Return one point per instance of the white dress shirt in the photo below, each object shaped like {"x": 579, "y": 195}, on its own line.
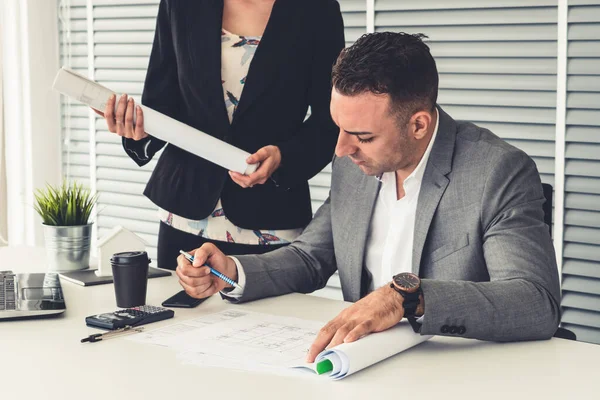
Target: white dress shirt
{"x": 391, "y": 232}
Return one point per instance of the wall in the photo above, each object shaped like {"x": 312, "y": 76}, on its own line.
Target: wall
{"x": 3, "y": 216}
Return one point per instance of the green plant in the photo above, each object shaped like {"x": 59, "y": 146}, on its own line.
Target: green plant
{"x": 66, "y": 205}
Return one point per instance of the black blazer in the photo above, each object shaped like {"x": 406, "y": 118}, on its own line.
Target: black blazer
{"x": 290, "y": 71}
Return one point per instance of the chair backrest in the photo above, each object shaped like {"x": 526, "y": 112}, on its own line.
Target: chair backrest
{"x": 562, "y": 333}
{"x": 548, "y": 205}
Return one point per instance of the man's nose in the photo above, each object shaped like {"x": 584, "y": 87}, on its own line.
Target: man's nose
{"x": 344, "y": 145}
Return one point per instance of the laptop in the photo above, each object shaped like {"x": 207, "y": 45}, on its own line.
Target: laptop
{"x": 30, "y": 295}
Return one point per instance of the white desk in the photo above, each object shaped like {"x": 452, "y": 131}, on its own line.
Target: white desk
{"x": 443, "y": 368}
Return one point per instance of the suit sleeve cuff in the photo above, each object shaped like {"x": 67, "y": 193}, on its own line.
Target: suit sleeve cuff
{"x": 237, "y": 293}
{"x": 138, "y": 151}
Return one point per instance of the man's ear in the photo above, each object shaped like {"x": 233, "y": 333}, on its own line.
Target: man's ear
{"x": 421, "y": 121}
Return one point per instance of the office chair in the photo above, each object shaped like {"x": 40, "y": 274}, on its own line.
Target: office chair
{"x": 562, "y": 333}
{"x": 547, "y": 207}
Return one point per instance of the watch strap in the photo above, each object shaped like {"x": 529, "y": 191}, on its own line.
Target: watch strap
{"x": 416, "y": 325}
{"x": 410, "y": 304}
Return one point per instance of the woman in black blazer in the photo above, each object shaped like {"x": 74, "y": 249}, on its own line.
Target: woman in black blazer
{"x": 290, "y": 70}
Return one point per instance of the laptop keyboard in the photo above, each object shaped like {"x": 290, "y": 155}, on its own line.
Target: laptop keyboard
{"x": 7, "y": 292}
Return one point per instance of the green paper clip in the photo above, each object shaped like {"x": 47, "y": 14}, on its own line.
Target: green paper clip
{"x": 324, "y": 366}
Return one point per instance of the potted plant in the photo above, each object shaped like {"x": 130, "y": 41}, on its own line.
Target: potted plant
{"x": 65, "y": 213}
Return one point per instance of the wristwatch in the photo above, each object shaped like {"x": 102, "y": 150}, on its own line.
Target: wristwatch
{"x": 409, "y": 286}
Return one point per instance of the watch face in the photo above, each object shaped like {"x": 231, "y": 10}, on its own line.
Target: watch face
{"x": 407, "y": 281}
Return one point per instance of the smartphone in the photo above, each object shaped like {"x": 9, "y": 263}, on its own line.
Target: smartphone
{"x": 182, "y": 300}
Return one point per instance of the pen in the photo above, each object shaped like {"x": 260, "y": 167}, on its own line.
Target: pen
{"x": 213, "y": 271}
{"x": 107, "y": 335}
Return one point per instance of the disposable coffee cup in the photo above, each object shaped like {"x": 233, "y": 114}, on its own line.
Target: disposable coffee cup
{"x": 130, "y": 274}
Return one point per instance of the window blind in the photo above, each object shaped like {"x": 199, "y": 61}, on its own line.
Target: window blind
{"x": 123, "y": 35}
{"x": 581, "y": 267}
{"x": 496, "y": 61}
{"x": 74, "y": 117}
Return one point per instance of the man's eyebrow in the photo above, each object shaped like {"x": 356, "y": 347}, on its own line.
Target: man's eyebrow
{"x": 358, "y": 133}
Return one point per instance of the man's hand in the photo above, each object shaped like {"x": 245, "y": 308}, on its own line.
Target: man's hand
{"x": 376, "y": 312}
{"x": 196, "y": 279}
{"x": 269, "y": 158}
{"x": 121, "y": 122}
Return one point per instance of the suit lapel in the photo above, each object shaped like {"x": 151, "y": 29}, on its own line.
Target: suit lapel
{"x": 434, "y": 184}
{"x": 204, "y": 21}
{"x": 358, "y": 229}
{"x": 265, "y": 63}
{"x": 433, "y": 187}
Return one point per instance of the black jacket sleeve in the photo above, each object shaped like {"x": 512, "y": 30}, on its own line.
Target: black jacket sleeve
{"x": 161, "y": 88}
{"x": 311, "y": 148}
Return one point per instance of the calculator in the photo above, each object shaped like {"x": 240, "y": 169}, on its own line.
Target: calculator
{"x": 133, "y": 316}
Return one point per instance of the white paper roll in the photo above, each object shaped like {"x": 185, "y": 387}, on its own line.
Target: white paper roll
{"x": 163, "y": 127}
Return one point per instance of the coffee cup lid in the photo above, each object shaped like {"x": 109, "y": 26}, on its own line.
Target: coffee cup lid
{"x": 130, "y": 257}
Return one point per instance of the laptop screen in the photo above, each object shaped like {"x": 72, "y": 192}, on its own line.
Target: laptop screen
{"x": 30, "y": 295}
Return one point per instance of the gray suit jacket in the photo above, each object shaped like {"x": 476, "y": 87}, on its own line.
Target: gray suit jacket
{"x": 481, "y": 247}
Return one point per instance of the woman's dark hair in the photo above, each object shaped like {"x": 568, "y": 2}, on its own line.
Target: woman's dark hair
{"x": 398, "y": 64}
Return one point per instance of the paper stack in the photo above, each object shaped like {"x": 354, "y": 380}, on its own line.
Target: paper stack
{"x": 258, "y": 342}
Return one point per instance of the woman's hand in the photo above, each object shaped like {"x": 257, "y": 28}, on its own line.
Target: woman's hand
{"x": 269, "y": 158}
{"x": 121, "y": 122}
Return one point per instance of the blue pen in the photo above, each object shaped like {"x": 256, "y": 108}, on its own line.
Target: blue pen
{"x": 213, "y": 271}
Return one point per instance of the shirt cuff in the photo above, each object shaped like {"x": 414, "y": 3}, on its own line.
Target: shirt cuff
{"x": 236, "y": 293}
{"x": 141, "y": 153}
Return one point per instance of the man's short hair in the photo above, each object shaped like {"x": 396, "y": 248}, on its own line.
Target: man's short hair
{"x": 398, "y": 64}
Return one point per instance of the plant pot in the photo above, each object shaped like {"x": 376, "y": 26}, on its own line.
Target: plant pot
{"x": 68, "y": 247}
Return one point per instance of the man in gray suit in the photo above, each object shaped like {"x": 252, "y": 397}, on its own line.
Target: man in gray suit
{"x": 427, "y": 216}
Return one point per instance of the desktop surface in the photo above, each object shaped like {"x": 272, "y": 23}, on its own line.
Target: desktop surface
{"x": 48, "y": 361}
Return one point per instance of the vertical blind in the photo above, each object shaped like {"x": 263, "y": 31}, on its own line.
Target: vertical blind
{"x": 497, "y": 65}
{"x": 581, "y": 267}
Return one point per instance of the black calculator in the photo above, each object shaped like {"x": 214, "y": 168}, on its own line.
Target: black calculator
{"x": 133, "y": 316}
